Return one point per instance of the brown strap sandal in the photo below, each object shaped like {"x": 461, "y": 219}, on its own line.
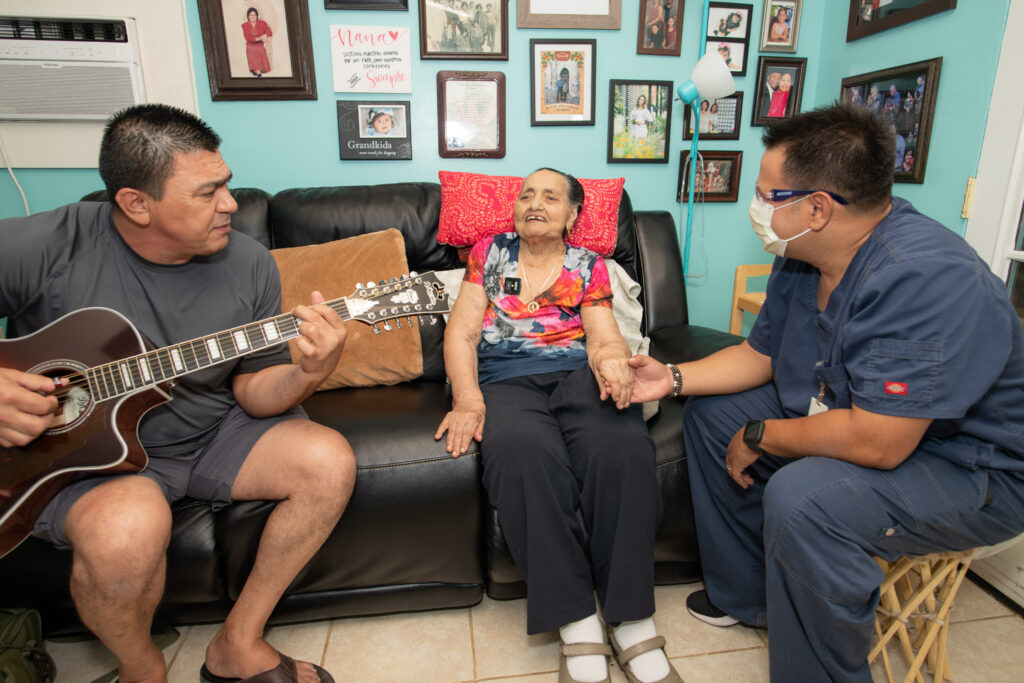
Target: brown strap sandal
{"x": 576, "y": 650}
{"x": 623, "y": 657}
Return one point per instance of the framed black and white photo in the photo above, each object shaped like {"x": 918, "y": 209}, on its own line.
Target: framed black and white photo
{"x": 639, "y": 121}
{"x": 471, "y": 114}
{"x": 258, "y": 49}
{"x": 868, "y": 17}
{"x": 905, "y": 95}
{"x": 374, "y": 130}
{"x": 719, "y": 119}
{"x": 563, "y": 81}
{"x": 455, "y": 29}
{"x": 400, "y": 5}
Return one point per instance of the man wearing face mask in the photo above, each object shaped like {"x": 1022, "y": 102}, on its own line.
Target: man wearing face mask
{"x": 877, "y": 408}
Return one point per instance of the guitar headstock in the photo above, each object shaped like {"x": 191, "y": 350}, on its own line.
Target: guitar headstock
{"x": 411, "y": 295}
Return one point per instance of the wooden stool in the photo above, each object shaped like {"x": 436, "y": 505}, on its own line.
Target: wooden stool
{"x": 916, "y": 597}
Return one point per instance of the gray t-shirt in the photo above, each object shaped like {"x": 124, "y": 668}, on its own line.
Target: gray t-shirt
{"x": 56, "y": 262}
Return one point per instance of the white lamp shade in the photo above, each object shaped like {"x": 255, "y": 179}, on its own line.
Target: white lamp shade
{"x": 709, "y": 80}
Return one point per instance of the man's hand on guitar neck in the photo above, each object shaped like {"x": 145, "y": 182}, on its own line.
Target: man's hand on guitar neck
{"x": 322, "y": 337}
{"x": 27, "y": 406}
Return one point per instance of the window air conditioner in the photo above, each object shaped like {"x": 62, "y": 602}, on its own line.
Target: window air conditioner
{"x": 68, "y": 69}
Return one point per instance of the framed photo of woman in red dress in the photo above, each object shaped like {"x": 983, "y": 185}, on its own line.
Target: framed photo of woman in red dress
{"x": 258, "y": 49}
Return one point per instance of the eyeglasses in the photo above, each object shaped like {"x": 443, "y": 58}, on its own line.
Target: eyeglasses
{"x": 779, "y": 195}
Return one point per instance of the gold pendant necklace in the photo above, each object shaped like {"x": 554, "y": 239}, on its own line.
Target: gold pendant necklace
{"x": 533, "y": 306}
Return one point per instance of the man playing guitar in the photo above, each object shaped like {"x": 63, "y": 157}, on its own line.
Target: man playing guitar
{"x": 163, "y": 255}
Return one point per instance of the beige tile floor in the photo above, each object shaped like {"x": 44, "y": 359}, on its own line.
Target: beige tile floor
{"x": 488, "y": 643}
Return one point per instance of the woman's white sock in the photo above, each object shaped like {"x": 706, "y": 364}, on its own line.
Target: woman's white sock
{"x": 585, "y": 668}
{"x": 650, "y": 666}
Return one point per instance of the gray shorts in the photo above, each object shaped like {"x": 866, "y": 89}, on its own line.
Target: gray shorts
{"x": 205, "y": 474}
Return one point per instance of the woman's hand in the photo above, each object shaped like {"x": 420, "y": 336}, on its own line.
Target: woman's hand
{"x": 464, "y": 422}
{"x": 615, "y": 378}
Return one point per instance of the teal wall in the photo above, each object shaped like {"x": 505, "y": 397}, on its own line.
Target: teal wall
{"x": 279, "y": 145}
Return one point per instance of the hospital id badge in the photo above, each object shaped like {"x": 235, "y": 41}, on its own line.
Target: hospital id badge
{"x": 817, "y": 405}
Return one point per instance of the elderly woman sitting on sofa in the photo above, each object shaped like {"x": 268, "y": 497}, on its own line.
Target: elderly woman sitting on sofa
{"x": 532, "y": 314}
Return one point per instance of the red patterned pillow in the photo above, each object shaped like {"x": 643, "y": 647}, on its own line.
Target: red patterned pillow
{"x": 474, "y": 206}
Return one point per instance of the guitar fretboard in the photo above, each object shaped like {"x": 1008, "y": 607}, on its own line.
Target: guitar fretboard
{"x": 136, "y": 372}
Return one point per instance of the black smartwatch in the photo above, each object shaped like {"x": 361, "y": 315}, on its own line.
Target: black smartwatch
{"x": 752, "y": 433}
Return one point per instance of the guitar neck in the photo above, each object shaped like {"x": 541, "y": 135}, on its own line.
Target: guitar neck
{"x": 128, "y": 375}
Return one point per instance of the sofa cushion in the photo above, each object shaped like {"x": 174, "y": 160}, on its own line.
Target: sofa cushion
{"x": 474, "y": 206}
{"x": 335, "y": 268}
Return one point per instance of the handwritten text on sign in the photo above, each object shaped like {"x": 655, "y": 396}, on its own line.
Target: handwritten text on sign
{"x": 371, "y": 59}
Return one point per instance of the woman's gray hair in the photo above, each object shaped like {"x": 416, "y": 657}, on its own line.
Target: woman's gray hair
{"x": 575, "y": 188}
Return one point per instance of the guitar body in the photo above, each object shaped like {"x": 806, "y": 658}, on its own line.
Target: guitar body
{"x": 89, "y": 438}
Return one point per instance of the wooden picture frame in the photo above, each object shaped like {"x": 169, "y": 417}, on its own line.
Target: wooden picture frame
{"x": 779, "y": 33}
{"x": 399, "y": 5}
{"x": 718, "y": 179}
{"x": 639, "y": 132}
{"x": 563, "y": 82}
{"x": 446, "y": 34}
{"x": 656, "y": 33}
{"x": 721, "y": 122}
{"x": 733, "y": 52}
{"x": 729, "y": 21}
{"x": 290, "y": 74}
{"x": 606, "y": 14}
{"x": 887, "y": 92}
{"x": 471, "y": 114}
{"x": 374, "y": 130}
{"x": 865, "y": 20}
{"x": 775, "y": 74}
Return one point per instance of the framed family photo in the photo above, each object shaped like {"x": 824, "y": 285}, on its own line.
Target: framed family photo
{"x": 905, "y": 95}
{"x": 659, "y": 30}
{"x": 730, "y": 20}
{"x": 471, "y": 114}
{"x": 563, "y": 82}
{"x": 719, "y": 119}
{"x": 780, "y": 85}
{"x": 868, "y": 17}
{"x": 781, "y": 25}
{"x": 639, "y": 120}
{"x": 717, "y": 177}
{"x": 604, "y": 14}
{"x": 258, "y": 49}
{"x": 401, "y": 5}
{"x": 734, "y": 52}
{"x": 374, "y": 130}
{"x": 456, "y": 29}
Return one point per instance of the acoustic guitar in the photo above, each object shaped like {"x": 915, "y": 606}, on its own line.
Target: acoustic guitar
{"x": 107, "y": 377}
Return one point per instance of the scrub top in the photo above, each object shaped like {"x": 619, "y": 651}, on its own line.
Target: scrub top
{"x": 918, "y": 327}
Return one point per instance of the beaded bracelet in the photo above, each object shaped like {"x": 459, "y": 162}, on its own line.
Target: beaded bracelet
{"x": 677, "y": 381}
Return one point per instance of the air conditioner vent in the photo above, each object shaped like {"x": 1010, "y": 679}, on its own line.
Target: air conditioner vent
{"x": 26, "y": 28}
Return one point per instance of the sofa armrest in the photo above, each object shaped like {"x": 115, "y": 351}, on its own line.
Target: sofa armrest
{"x": 659, "y": 271}
{"x": 685, "y": 343}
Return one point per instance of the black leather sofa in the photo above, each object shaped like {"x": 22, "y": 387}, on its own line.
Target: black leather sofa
{"x": 419, "y": 533}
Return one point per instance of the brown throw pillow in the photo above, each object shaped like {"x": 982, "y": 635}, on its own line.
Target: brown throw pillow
{"x": 334, "y": 268}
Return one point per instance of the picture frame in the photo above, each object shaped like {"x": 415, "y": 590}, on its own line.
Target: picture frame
{"x": 779, "y": 32}
{"x": 563, "y": 82}
{"x": 599, "y": 14}
{"x": 887, "y": 92}
{"x": 471, "y": 114}
{"x": 720, "y": 122}
{"x": 286, "y": 51}
{"x": 734, "y": 52}
{"x": 776, "y": 74}
{"x": 729, "y": 20}
{"x": 866, "y": 20}
{"x": 658, "y": 32}
{"x": 639, "y": 132}
{"x": 717, "y": 180}
{"x": 399, "y": 5}
{"x": 374, "y": 130}
{"x": 445, "y": 33}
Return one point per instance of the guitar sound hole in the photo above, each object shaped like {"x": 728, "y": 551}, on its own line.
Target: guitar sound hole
{"x": 74, "y": 402}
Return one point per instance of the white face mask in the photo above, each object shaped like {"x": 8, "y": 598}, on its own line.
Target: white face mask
{"x": 761, "y": 218}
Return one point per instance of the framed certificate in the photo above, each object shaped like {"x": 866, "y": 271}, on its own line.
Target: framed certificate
{"x": 471, "y": 114}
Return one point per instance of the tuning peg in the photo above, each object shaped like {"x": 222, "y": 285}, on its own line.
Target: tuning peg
{"x": 413, "y": 273}
{"x": 422, "y": 321}
{"x": 374, "y": 326}
{"x": 398, "y": 324}
{"x": 408, "y": 319}
{"x": 359, "y": 285}
{"x": 387, "y": 326}
{"x": 394, "y": 279}
{"x": 433, "y": 320}
{"x": 404, "y": 277}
